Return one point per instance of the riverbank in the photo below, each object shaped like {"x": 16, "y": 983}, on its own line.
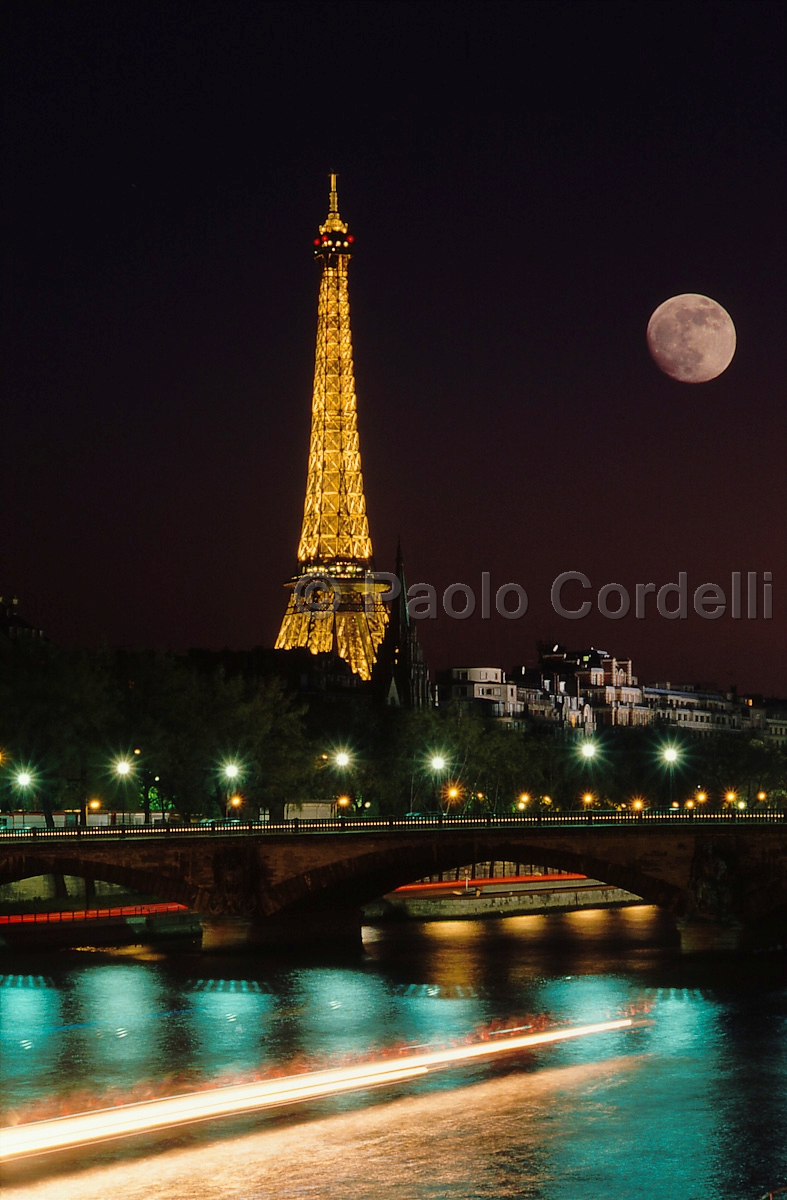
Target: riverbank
{"x": 517, "y": 895}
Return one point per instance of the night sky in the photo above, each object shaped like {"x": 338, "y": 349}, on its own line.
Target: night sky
{"x": 525, "y": 183}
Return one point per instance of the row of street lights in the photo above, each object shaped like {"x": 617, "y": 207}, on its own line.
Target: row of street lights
{"x": 231, "y": 772}
{"x": 26, "y": 780}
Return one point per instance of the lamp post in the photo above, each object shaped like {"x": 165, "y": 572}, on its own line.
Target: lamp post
{"x": 24, "y": 783}
{"x": 437, "y": 765}
{"x": 670, "y": 756}
{"x": 232, "y": 774}
{"x": 124, "y": 770}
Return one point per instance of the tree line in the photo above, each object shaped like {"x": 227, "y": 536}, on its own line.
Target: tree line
{"x": 68, "y": 718}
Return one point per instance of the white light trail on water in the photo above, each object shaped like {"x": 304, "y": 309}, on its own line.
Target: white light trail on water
{"x": 83, "y": 1128}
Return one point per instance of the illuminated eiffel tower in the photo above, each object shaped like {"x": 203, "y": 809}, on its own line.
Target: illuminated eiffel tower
{"x": 334, "y": 603}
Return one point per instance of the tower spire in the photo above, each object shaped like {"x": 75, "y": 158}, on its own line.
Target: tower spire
{"x": 332, "y": 605}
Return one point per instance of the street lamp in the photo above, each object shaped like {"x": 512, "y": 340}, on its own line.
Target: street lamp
{"x": 523, "y": 801}
{"x": 670, "y": 755}
{"x": 124, "y": 769}
{"x": 437, "y": 765}
{"x": 24, "y": 782}
{"x": 342, "y": 759}
{"x": 587, "y": 798}
{"x": 231, "y": 772}
{"x": 588, "y": 750}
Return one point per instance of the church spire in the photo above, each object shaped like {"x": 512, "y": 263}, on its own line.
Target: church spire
{"x": 331, "y": 606}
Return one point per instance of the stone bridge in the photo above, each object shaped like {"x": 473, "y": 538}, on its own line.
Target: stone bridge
{"x": 724, "y": 881}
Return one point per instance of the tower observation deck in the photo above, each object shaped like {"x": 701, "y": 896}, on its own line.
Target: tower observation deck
{"x": 335, "y": 605}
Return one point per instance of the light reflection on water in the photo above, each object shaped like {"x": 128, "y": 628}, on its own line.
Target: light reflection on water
{"x": 690, "y": 1107}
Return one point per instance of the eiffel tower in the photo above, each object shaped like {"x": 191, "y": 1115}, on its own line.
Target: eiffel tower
{"x": 335, "y": 605}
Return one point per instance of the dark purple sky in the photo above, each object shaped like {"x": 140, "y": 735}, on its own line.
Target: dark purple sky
{"x": 526, "y": 183}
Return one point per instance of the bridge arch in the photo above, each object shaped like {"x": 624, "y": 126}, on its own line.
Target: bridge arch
{"x": 26, "y": 865}
{"x": 358, "y": 878}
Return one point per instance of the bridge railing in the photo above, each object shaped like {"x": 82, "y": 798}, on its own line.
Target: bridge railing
{"x": 426, "y": 824}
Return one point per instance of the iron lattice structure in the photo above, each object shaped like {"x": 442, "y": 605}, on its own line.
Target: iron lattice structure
{"x": 334, "y": 604}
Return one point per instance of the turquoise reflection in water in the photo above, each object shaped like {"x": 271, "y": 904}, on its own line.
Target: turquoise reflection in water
{"x": 227, "y": 1024}
{"x": 690, "y": 1106}
{"x": 30, "y": 1014}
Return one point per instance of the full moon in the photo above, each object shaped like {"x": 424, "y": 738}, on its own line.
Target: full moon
{"x": 691, "y": 338}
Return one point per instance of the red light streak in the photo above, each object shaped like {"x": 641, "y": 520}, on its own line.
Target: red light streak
{"x": 39, "y": 1137}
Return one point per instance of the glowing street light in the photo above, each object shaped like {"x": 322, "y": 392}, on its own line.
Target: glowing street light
{"x": 342, "y": 759}
{"x": 730, "y": 797}
{"x": 123, "y": 768}
{"x": 670, "y": 755}
{"x": 523, "y": 801}
{"x": 24, "y": 781}
{"x": 588, "y": 750}
{"x": 637, "y": 804}
{"x": 762, "y": 795}
{"x": 587, "y": 798}
{"x": 231, "y": 770}
{"x": 438, "y": 764}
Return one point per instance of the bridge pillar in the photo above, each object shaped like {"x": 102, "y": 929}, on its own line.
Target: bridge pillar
{"x": 698, "y": 936}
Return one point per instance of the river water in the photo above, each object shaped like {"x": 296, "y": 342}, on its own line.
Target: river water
{"x": 689, "y": 1105}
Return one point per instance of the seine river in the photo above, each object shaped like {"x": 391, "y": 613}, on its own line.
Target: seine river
{"x": 689, "y": 1105}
